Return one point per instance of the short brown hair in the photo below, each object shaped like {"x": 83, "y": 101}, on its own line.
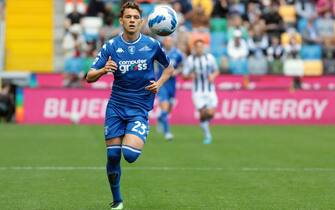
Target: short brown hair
{"x": 130, "y": 5}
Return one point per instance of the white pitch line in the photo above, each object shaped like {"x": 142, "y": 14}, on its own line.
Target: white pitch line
{"x": 98, "y": 168}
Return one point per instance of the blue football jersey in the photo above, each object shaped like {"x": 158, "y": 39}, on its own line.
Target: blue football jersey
{"x": 176, "y": 58}
{"x": 135, "y": 69}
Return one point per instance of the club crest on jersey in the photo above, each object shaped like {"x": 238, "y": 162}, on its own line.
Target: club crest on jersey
{"x": 131, "y": 50}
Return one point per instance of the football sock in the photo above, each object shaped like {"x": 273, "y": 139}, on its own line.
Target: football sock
{"x": 130, "y": 154}
{"x": 164, "y": 121}
{"x": 205, "y": 127}
{"x": 114, "y": 170}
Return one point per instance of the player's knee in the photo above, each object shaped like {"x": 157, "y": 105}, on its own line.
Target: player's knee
{"x": 114, "y": 153}
{"x": 130, "y": 154}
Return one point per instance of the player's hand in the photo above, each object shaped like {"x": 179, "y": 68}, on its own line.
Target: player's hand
{"x": 153, "y": 87}
{"x": 211, "y": 78}
{"x": 110, "y": 66}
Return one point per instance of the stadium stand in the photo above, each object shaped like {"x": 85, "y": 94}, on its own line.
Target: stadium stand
{"x": 29, "y": 24}
{"x": 285, "y": 38}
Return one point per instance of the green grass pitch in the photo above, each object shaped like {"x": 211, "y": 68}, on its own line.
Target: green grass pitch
{"x": 246, "y": 167}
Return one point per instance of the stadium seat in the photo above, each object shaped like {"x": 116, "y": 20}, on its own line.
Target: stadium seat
{"x": 293, "y": 67}
{"x": 87, "y": 63}
{"x": 238, "y": 66}
{"x": 199, "y": 35}
{"x": 285, "y": 38}
{"x": 217, "y": 44}
{"x": 73, "y": 65}
{"x": 288, "y": 13}
{"x": 257, "y": 66}
{"x": 301, "y": 24}
{"x": 311, "y": 52}
{"x": 313, "y": 68}
{"x": 218, "y": 24}
{"x": 206, "y": 4}
{"x": 91, "y": 27}
{"x": 276, "y": 67}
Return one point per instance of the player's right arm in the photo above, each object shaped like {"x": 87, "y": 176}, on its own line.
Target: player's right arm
{"x": 102, "y": 64}
{"x": 94, "y": 74}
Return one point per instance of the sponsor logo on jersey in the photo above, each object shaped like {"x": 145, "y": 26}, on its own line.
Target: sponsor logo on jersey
{"x": 145, "y": 48}
{"x": 131, "y": 50}
{"x": 119, "y": 50}
{"x": 133, "y": 65}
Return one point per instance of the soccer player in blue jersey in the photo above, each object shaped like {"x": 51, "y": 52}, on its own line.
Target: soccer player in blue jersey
{"x": 130, "y": 58}
{"x": 166, "y": 94}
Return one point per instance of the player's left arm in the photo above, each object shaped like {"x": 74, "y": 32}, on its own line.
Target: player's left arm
{"x": 215, "y": 69}
{"x": 163, "y": 59}
{"x": 155, "y": 85}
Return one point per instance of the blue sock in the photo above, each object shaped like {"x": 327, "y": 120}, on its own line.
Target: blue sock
{"x": 114, "y": 170}
{"x": 130, "y": 154}
{"x": 164, "y": 121}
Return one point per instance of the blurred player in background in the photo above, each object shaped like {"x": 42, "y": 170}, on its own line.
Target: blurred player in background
{"x": 167, "y": 93}
{"x": 202, "y": 68}
{"x": 130, "y": 57}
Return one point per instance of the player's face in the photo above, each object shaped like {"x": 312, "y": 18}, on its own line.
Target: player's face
{"x": 131, "y": 21}
{"x": 199, "y": 48}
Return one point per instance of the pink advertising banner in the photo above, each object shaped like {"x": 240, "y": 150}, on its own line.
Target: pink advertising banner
{"x": 87, "y": 106}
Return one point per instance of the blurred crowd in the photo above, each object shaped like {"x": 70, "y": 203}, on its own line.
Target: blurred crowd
{"x": 285, "y": 37}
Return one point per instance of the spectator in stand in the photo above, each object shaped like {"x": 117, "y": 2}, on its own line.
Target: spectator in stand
{"x": 325, "y": 6}
{"x": 200, "y": 21}
{"x": 328, "y": 56}
{"x": 258, "y": 42}
{"x": 235, "y": 24}
{"x": 108, "y": 29}
{"x": 187, "y": 11}
{"x": 235, "y": 6}
{"x": 310, "y": 34}
{"x": 252, "y": 12}
{"x": 181, "y": 34}
{"x": 325, "y": 27}
{"x": 7, "y": 107}
{"x": 275, "y": 51}
{"x": 237, "y": 47}
{"x": 73, "y": 46}
{"x": 177, "y": 7}
{"x": 2, "y": 8}
{"x": 221, "y": 9}
{"x": 253, "y": 16}
{"x": 95, "y": 8}
{"x": 207, "y": 5}
{"x": 292, "y": 48}
{"x": 74, "y": 17}
{"x": 275, "y": 54}
{"x": 274, "y": 22}
{"x": 305, "y": 9}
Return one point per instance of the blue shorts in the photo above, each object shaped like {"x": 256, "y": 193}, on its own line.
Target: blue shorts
{"x": 166, "y": 93}
{"x": 120, "y": 121}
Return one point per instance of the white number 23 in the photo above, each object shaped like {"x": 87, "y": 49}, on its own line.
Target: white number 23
{"x": 139, "y": 128}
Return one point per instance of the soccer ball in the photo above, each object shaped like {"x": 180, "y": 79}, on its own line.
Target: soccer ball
{"x": 163, "y": 20}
